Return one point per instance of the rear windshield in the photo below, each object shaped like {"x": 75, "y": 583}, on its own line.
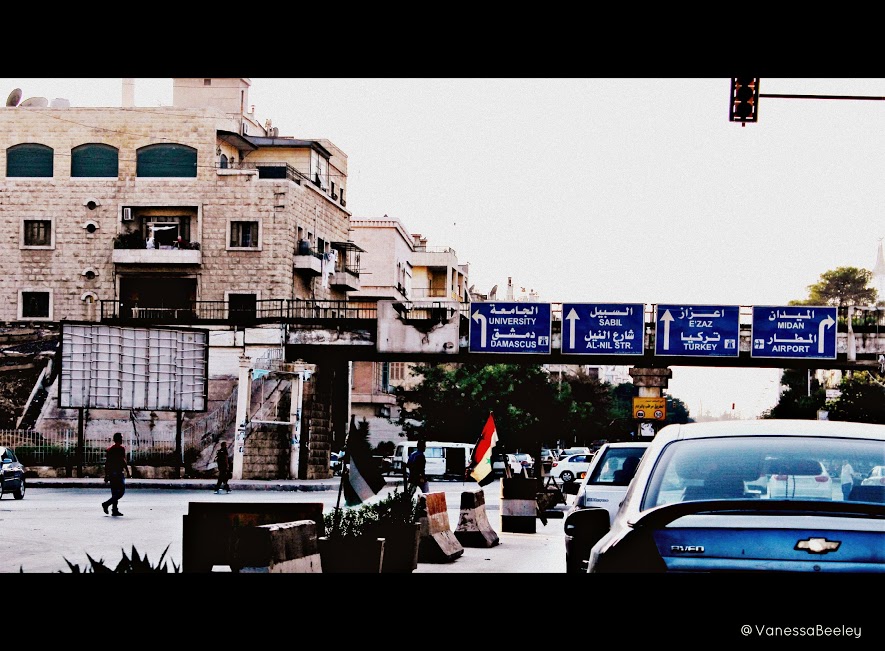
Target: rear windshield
{"x": 766, "y": 467}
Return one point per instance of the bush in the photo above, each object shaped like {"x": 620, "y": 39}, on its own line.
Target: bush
{"x": 128, "y": 565}
{"x": 398, "y": 507}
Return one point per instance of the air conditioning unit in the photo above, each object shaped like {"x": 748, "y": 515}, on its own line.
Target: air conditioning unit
{"x": 127, "y": 214}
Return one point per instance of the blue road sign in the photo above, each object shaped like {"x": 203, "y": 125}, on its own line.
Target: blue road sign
{"x": 603, "y": 328}
{"x": 510, "y": 327}
{"x": 697, "y": 330}
{"x": 793, "y": 331}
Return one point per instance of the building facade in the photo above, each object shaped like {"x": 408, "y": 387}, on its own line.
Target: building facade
{"x": 135, "y": 215}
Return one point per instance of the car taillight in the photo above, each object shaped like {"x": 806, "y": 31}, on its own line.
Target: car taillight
{"x": 779, "y": 477}
{"x": 555, "y": 463}
{"x": 822, "y": 479}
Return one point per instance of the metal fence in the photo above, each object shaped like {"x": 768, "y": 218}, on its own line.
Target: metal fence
{"x": 59, "y": 449}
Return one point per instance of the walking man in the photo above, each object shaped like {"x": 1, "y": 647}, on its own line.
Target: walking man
{"x": 417, "y": 466}
{"x": 115, "y": 472}
{"x": 222, "y": 458}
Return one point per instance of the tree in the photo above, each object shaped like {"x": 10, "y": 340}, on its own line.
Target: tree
{"x": 862, "y": 399}
{"x": 841, "y": 287}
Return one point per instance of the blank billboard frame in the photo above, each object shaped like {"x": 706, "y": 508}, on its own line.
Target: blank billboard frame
{"x": 152, "y": 368}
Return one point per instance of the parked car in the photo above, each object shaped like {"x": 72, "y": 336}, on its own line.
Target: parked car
{"x": 500, "y": 460}
{"x": 603, "y": 486}
{"x": 526, "y": 462}
{"x": 876, "y": 478}
{"x": 12, "y": 474}
{"x": 665, "y": 524}
{"x": 571, "y": 468}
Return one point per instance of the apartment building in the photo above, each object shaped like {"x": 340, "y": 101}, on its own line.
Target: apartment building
{"x": 139, "y": 215}
{"x": 397, "y": 265}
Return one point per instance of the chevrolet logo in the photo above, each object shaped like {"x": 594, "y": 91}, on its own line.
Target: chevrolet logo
{"x": 817, "y": 545}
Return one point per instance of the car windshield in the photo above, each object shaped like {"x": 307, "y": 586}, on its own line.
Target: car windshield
{"x": 766, "y": 467}
{"x": 616, "y": 467}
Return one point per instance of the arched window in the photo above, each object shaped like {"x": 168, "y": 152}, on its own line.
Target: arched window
{"x": 28, "y": 160}
{"x": 166, "y": 160}
{"x": 95, "y": 159}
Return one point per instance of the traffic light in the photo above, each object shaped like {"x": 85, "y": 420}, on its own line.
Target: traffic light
{"x": 744, "y": 100}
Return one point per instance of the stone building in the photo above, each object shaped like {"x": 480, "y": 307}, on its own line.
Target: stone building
{"x": 134, "y": 215}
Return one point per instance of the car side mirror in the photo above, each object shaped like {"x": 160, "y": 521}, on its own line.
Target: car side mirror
{"x": 587, "y": 525}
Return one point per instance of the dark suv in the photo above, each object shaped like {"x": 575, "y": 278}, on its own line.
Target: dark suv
{"x": 12, "y": 474}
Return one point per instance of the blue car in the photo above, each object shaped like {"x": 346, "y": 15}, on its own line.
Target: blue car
{"x": 692, "y": 506}
{"x": 12, "y": 474}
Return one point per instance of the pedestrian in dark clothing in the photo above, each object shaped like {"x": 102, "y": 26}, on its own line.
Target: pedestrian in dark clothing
{"x": 115, "y": 472}
{"x": 417, "y": 465}
{"x": 222, "y": 458}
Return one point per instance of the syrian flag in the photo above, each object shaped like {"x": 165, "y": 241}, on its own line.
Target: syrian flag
{"x": 364, "y": 478}
{"x": 480, "y": 467}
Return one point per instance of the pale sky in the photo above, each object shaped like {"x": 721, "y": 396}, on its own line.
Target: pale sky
{"x": 599, "y": 189}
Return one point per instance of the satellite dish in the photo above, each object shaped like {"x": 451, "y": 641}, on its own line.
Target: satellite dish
{"x": 36, "y": 102}
{"x": 470, "y": 289}
{"x": 493, "y": 293}
{"x": 14, "y": 97}
{"x": 60, "y": 102}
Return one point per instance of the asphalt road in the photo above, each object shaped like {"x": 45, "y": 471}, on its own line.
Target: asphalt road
{"x": 53, "y": 526}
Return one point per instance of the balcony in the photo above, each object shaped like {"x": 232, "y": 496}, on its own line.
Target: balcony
{"x": 345, "y": 279}
{"x": 158, "y": 256}
{"x": 307, "y": 260}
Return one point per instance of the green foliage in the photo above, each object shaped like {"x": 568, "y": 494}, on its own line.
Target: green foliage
{"x": 134, "y": 564}
{"x": 398, "y": 507}
{"x": 385, "y": 448}
{"x": 862, "y": 400}
{"x": 841, "y": 286}
{"x": 132, "y": 240}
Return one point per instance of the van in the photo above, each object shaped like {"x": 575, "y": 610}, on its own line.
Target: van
{"x": 567, "y": 452}
{"x": 445, "y": 460}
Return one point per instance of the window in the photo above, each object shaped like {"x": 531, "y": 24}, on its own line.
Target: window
{"x": 94, "y": 160}
{"x": 397, "y": 371}
{"x": 244, "y": 235}
{"x": 168, "y": 160}
{"x": 37, "y": 233}
{"x": 29, "y": 160}
{"x": 35, "y": 304}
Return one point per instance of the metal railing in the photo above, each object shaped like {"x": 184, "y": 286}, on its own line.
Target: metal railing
{"x": 59, "y": 448}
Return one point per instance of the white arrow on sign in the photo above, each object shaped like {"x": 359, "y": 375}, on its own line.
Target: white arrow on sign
{"x": 667, "y": 318}
{"x": 571, "y": 317}
{"x": 481, "y": 320}
{"x": 826, "y": 323}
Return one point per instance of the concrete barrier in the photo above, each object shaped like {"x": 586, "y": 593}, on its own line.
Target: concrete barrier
{"x": 474, "y": 529}
{"x": 437, "y": 543}
{"x": 519, "y": 504}
{"x": 208, "y": 528}
{"x": 283, "y": 548}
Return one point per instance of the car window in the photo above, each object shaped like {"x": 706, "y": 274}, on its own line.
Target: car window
{"x": 761, "y": 467}
{"x": 604, "y": 472}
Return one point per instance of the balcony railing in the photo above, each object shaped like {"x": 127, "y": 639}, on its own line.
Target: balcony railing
{"x": 265, "y": 310}
{"x": 269, "y": 170}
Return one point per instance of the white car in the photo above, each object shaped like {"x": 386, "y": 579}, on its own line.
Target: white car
{"x": 876, "y": 478}
{"x": 792, "y": 478}
{"x": 605, "y": 484}
{"x": 571, "y": 468}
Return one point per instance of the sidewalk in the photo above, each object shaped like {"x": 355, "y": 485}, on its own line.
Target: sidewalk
{"x": 199, "y": 484}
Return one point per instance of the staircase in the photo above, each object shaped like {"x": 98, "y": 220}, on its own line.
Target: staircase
{"x": 266, "y": 453}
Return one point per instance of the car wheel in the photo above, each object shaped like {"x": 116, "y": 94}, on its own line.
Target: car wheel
{"x": 567, "y": 476}
{"x": 20, "y": 493}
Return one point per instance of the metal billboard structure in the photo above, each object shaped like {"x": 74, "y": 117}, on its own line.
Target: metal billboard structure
{"x": 114, "y": 367}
